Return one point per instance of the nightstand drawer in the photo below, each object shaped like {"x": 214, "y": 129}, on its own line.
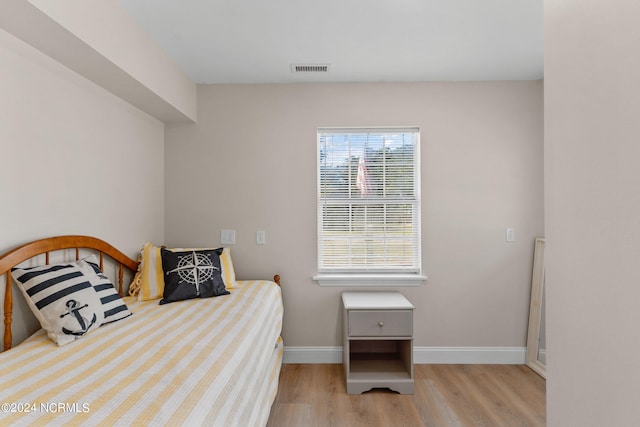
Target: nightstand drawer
{"x": 383, "y": 323}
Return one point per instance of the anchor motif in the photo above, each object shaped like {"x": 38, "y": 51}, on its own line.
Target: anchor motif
{"x": 74, "y": 310}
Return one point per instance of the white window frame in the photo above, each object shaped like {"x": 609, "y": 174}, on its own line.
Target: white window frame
{"x": 375, "y": 277}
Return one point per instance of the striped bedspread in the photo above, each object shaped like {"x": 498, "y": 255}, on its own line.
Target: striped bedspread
{"x": 213, "y": 361}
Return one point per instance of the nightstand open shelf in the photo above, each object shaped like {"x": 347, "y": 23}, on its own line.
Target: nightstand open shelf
{"x": 378, "y": 342}
{"x": 377, "y": 368}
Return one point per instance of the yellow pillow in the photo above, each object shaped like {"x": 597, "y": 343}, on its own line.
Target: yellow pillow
{"x": 152, "y": 276}
{"x": 134, "y": 286}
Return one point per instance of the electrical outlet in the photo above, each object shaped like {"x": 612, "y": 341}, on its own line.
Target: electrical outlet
{"x": 261, "y": 237}
{"x": 227, "y": 237}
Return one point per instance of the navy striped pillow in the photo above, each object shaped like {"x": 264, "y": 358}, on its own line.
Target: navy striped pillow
{"x": 113, "y": 306}
{"x": 70, "y": 299}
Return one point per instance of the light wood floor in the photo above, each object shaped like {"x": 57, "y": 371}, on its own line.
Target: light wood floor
{"x": 445, "y": 395}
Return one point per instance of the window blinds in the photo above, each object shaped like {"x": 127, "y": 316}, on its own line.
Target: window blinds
{"x": 368, "y": 200}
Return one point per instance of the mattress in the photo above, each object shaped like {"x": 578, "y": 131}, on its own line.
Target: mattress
{"x": 212, "y": 361}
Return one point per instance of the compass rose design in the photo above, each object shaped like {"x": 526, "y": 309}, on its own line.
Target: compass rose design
{"x": 194, "y": 268}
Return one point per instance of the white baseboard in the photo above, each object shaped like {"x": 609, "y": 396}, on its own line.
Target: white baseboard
{"x": 470, "y": 355}
{"x": 312, "y": 355}
{"x": 421, "y": 355}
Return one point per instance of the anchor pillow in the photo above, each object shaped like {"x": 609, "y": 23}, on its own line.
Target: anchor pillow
{"x": 70, "y": 299}
{"x": 192, "y": 274}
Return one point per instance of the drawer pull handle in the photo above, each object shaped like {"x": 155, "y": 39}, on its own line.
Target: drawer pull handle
{"x": 381, "y": 324}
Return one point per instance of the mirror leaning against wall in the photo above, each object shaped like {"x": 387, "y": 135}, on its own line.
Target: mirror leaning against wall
{"x": 536, "y": 337}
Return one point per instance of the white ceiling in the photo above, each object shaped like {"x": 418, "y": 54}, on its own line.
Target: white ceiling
{"x": 256, "y": 41}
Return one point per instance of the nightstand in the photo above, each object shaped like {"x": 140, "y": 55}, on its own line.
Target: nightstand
{"x": 377, "y": 345}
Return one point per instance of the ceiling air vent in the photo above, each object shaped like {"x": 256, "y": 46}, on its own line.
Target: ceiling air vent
{"x": 309, "y": 68}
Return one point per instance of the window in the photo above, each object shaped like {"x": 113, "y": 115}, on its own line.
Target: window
{"x": 368, "y": 203}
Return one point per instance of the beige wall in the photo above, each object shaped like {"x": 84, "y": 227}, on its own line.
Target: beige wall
{"x": 250, "y": 164}
{"x": 102, "y": 43}
{"x": 592, "y": 192}
{"x": 75, "y": 160}
{"x": 107, "y": 28}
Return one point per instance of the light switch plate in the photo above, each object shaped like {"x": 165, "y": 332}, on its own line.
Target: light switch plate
{"x": 261, "y": 237}
{"x": 227, "y": 237}
{"x": 510, "y": 235}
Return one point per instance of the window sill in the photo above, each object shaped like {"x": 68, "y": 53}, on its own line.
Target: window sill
{"x": 370, "y": 279}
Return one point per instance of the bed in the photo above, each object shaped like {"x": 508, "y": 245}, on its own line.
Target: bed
{"x": 199, "y": 361}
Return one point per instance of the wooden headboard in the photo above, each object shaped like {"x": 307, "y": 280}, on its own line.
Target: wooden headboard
{"x": 51, "y": 244}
